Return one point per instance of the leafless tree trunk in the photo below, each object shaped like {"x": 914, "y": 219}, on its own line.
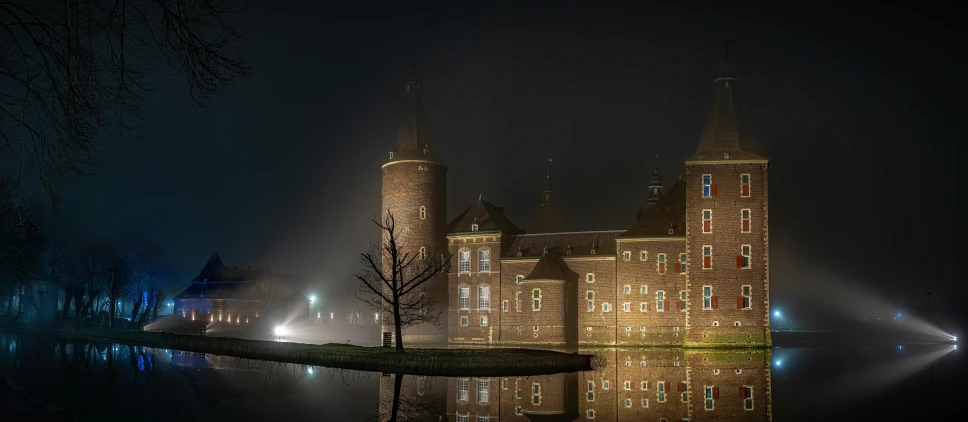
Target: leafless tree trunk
{"x": 119, "y": 277}
{"x": 269, "y": 291}
{"x": 392, "y": 278}
{"x": 71, "y": 69}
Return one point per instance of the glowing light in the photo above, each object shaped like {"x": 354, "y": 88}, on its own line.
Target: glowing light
{"x": 776, "y": 313}
{"x": 778, "y": 363}
{"x": 281, "y": 331}
{"x": 900, "y": 347}
{"x": 309, "y": 370}
{"x": 898, "y": 314}
{"x": 319, "y": 315}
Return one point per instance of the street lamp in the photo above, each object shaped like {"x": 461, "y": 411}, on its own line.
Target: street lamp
{"x": 312, "y": 301}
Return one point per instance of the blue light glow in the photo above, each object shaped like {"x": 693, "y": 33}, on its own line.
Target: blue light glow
{"x": 776, "y": 313}
{"x": 778, "y": 363}
{"x": 309, "y": 370}
{"x": 900, "y": 347}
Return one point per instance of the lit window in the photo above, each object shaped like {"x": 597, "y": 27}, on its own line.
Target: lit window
{"x": 744, "y": 182}
{"x": 484, "y": 297}
{"x": 747, "y": 299}
{"x": 643, "y": 256}
{"x": 465, "y": 261}
{"x": 707, "y": 186}
{"x": 745, "y": 220}
{"x": 463, "y": 387}
{"x": 627, "y": 307}
{"x": 536, "y": 302}
{"x": 682, "y": 300}
{"x": 484, "y": 258}
{"x": 661, "y": 263}
{"x": 483, "y": 320}
{"x": 748, "y": 397}
{"x": 423, "y": 213}
{"x": 590, "y": 300}
{"x": 627, "y": 256}
{"x": 423, "y": 253}
{"x": 644, "y": 307}
{"x": 463, "y": 321}
{"x": 743, "y": 261}
{"x": 464, "y": 298}
{"x": 712, "y": 394}
{"x": 590, "y": 278}
{"x": 707, "y": 297}
{"x": 682, "y": 263}
{"x": 660, "y": 301}
{"x": 505, "y": 306}
{"x": 707, "y": 221}
{"x": 627, "y": 289}
{"x": 483, "y": 390}
{"x": 707, "y": 257}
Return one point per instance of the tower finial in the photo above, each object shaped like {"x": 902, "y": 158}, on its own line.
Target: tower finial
{"x": 655, "y": 165}
{"x": 549, "y": 168}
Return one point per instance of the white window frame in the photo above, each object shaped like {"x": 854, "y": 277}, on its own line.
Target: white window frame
{"x": 707, "y": 297}
{"x": 707, "y": 185}
{"x": 683, "y": 261}
{"x": 644, "y": 307}
{"x": 707, "y": 250}
{"x": 518, "y": 301}
{"x": 536, "y": 300}
{"x": 627, "y": 256}
{"x": 746, "y": 291}
{"x": 518, "y": 278}
{"x": 484, "y": 260}
{"x": 590, "y": 414}
{"x": 643, "y": 255}
{"x": 644, "y": 289}
{"x": 483, "y": 297}
{"x": 747, "y": 252}
{"x": 627, "y": 307}
{"x": 464, "y": 257}
{"x": 423, "y": 212}
{"x": 505, "y": 306}
{"x": 463, "y": 389}
{"x": 464, "y": 298}
{"x": 590, "y": 277}
{"x": 590, "y": 301}
{"x": 483, "y": 320}
{"x": 464, "y": 320}
{"x": 645, "y": 403}
{"x": 606, "y": 384}
{"x": 709, "y": 403}
{"x": 483, "y": 391}
{"x": 627, "y": 289}
{"x": 745, "y": 216}
{"x": 660, "y": 391}
{"x": 661, "y": 264}
{"x": 606, "y": 307}
{"x": 474, "y": 227}
{"x": 536, "y": 394}
{"x": 748, "y": 400}
{"x": 628, "y": 402}
{"x": 748, "y": 183}
{"x": 660, "y": 301}
{"x": 707, "y": 215}
{"x": 682, "y": 300}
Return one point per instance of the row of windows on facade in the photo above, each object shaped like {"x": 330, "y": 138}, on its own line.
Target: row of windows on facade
{"x": 710, "y": 190}
{"x": 191, "y": 313}
{"x": 745, "y": 220}
{"x": 483, "y": 260}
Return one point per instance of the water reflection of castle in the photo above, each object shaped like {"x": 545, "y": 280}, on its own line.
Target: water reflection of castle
{"x": 628, "y": 385}
{"x": 215, "y": 378}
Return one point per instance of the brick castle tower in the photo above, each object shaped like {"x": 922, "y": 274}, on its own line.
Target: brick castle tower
{"x": 415, "y": 191}
{"x": 727, "y": 226}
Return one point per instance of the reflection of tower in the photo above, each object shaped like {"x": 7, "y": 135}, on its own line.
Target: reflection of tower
{"x": 655, "y": 191}
{"x": 414, "y": 191}
{"x": 727, "y": 225}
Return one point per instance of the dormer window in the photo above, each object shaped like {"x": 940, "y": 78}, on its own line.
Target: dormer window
{"x": 391, "y": 155}
{"x": 474, "y": 227}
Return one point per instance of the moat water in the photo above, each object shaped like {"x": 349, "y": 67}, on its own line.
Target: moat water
{"x": 116, "y": 382}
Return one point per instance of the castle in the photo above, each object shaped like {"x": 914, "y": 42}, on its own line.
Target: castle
{"x": 693, "y": 270}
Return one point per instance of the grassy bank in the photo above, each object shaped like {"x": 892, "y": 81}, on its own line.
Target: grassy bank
{"x": 441, "y": 362}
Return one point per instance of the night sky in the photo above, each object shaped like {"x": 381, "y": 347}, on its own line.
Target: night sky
{"x": 858, "y": 110}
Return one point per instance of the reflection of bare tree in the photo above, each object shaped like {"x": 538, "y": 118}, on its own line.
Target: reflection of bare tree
{"x": 409, "y": 403}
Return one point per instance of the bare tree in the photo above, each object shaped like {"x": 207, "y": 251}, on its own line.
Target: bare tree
{"x": 22, "y": 244}
{"x": 119, "y": 276}
{"x": 92, "y": 272}
{"x": 270, "y": 289}
{"x": 71, "y": 69}
{"x": 392, "y": 280}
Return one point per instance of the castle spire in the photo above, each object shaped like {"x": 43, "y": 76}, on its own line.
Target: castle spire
{"x": 548, "y": 218}
{"x": 727, "y": 134}
{"x": 655, "y": 190}
{"x": 413, "y": 140}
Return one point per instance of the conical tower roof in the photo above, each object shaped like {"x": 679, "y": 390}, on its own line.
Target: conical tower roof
{"x": 413, "y": 138}
{"x": 727, "y": 134}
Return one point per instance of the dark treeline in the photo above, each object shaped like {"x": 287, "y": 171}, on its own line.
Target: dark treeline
{"x": 41, "y": 275}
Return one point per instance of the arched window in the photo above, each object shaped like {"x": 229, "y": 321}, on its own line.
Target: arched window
{"x": 484, "y": 257}
{"x": 423, "y": 213}
{"x": 465, "y": 261}
{"x": 484, "y": 297}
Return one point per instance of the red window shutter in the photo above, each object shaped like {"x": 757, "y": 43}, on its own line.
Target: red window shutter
{"x": 662, "y": 267}
{"x": 646, "y": 307}
{"x": 739, "y": 261}
{"x": 742, "y": 392}
{"x": 715, "y": 393}
{"x": 746, "y": 190}
{"x": 707, "y": 262}
{"x": 679, "y": 389}
{"x": 746, "y": 225}
{"x": 712, "y": 190}
{"x": 707, "y": 226}
{"x": 678, "y": 305}
{"x": 678, "y": 267}
{"x": 739, "y": 302}
{"x": 715, "y": 302}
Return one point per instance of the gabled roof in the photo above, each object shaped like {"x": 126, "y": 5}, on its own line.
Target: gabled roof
{"x": 668, "y": 213}
{"x": 564, "y": 244}
{"x": 216, "y": 281}
{"x": 487, "y": 216}
{"x": 727, "y": 134}
{"x": 550, "y": 267}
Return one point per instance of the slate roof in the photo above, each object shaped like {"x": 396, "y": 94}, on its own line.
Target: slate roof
{"x": 550, "y": 267}
{"x": 413, "y": 137}
{"x": 727, "y": 129}
{"x": 577, "y": 243}
{"x": 487, "y": 216}
{"x": 668, "y": 213}
{"x": 216, "y": 281}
